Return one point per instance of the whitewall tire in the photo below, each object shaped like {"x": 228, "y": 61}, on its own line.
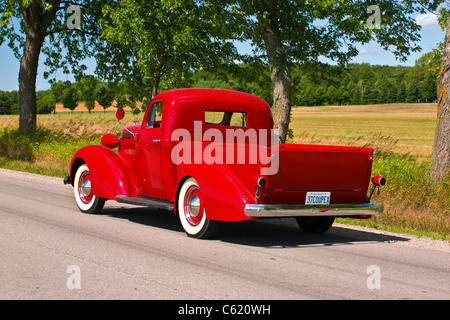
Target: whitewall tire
{"x": 192, "y": 212}
{"x": 86, "y": 201}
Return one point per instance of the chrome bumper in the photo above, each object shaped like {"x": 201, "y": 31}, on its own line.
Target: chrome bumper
{"x": 297, "y": 210}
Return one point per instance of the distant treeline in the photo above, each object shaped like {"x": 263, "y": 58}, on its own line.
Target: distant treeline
{"x": 9, "y": 102}
{"x": 311, "y": 86}
{"x": 365, "y": 84}
{"x": 354, "y": 85}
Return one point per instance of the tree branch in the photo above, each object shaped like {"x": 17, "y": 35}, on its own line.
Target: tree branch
{"x": 49, "y": 15}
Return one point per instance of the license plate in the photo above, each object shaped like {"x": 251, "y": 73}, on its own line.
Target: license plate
{"x": 317, "y": 198}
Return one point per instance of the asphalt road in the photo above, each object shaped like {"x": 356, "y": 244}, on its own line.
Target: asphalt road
{"x": 50, "y": 250}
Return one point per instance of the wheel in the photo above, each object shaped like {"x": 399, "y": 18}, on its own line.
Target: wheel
{"x": 315, "y": 224}
{"x": 191, "y": 211}
{"x": 86, "y": 201}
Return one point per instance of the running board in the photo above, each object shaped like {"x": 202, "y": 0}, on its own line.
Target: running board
{"x": 146, "y": 201}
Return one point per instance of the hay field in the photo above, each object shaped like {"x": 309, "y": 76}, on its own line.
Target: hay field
{"x": 407, "y": 128}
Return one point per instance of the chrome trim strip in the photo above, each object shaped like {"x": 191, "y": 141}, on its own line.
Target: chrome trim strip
{"x": 296, "y": 210}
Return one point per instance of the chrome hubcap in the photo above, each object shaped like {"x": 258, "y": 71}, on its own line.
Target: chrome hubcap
{"x": 86, "y": 187}
{"x": 194, "y": 206}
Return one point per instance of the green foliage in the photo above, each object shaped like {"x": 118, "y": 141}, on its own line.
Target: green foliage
{"x": 70, "y": 97}
{"x": 414, "y": 200}
{"x": 57, "y": 90}
{"x": 155, "y": 41}
{"x": 364, "y": 84}
{"x": 15, "y": 146}
{"x": 356, "y": 84}
{"x": 87, "y": 89}
{"x": 7, "y": 100}
{"x": 45, "y": 105}
{"x": 105, "y": 95}
{"x": 52, "y": 15}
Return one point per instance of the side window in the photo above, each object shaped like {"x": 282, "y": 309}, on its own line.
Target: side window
{"x": 155, "y": 115}
{"x": 226, "y": 118}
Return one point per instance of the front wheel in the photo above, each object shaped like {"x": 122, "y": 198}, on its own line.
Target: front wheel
{"x": 315, "y": 224}
{"x": 87, "y": 202}
{"x": 192, "y": 213}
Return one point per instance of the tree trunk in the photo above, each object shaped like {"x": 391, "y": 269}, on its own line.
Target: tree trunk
{"x": 35, "y": 35}
{"x": 36, "y": 21}
{"x": 27, "y": 82}
{"x": 440, "y": 161}
{"x": 279, "y": 70}
{"x": 155, "y": 87}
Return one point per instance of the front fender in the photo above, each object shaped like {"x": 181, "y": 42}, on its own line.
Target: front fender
{"x": 224, "y": 194}
{"x": 110, "y": 173}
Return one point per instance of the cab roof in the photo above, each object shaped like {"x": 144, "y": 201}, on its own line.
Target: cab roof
{"x": 184, "y": 106}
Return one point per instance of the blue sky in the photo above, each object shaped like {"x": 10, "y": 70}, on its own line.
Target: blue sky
{"x": 371, "y": 53}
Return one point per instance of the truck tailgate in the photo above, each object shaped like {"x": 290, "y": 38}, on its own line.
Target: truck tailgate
{"x": 322, "y": 168}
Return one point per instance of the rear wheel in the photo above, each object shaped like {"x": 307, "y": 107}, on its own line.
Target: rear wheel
{"x": 315, "y": 224}
{"x": 87, "y": 202}
{"x": 192, "y": 213}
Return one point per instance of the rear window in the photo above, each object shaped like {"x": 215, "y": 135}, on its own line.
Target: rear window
{"x": 226, "y": 118}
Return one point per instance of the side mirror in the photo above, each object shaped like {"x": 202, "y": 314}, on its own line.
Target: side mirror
{"x": 120, "y": 113}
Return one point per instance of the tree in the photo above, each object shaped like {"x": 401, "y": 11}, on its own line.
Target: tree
{"x": 301, "y": 32}
{"x": 57, "y": 90}
{"x": 45, "y": 105}
{"x": 150, "y": 41}
{"x": 87, "y": 90}
{"x": 401, "y": 94}
{"x": 105, "y": 96}
{"x": 428, "y": 91}
{"x": 4, "y": 103}
{"x": 70, "y": 97}
{"x": 413, "y": 93}
{"x": 43, "y": 28}
{"x": 440, "y": 160}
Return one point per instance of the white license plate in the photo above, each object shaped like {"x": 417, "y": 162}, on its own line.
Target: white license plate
{"x": 317, "y": 198}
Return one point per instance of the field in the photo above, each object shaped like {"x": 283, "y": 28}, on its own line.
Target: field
{"x": 410, "y": 127}
{"x": 401, "y": 134}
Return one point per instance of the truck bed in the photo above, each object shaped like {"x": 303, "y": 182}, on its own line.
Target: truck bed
{"x": 342, "y": 171}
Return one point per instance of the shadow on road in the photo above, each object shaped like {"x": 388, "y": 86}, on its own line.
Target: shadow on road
{"x": 281, "y": 233}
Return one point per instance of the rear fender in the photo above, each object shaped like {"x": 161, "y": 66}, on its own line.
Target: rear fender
{"x": 224, "y": 194}
{"x": 110, "y": 173}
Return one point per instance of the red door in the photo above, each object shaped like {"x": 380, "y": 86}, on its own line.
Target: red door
{"x": 148, "y": 154}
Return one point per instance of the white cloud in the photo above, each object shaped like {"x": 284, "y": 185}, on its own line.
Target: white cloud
{"x": 371, "y": 50}
{"x": 428, "y": 21}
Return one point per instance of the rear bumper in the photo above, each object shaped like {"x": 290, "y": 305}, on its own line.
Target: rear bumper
{"x": 298, "y": 210}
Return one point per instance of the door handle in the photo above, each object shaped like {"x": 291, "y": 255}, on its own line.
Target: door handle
{"x": 156, "y": 142}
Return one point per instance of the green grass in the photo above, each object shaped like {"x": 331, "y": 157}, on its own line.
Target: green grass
{"x": 401, "y": 135}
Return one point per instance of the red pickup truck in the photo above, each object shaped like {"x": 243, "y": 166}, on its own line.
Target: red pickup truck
{"x": 210, "y": 155}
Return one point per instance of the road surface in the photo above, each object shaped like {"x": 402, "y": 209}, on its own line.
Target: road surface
{"x": 50, "y": 250}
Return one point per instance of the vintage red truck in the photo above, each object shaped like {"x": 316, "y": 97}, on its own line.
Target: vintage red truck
{"x": 209, "y": 155}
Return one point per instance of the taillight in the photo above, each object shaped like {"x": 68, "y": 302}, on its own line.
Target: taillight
{"x": 379, "y": 181}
